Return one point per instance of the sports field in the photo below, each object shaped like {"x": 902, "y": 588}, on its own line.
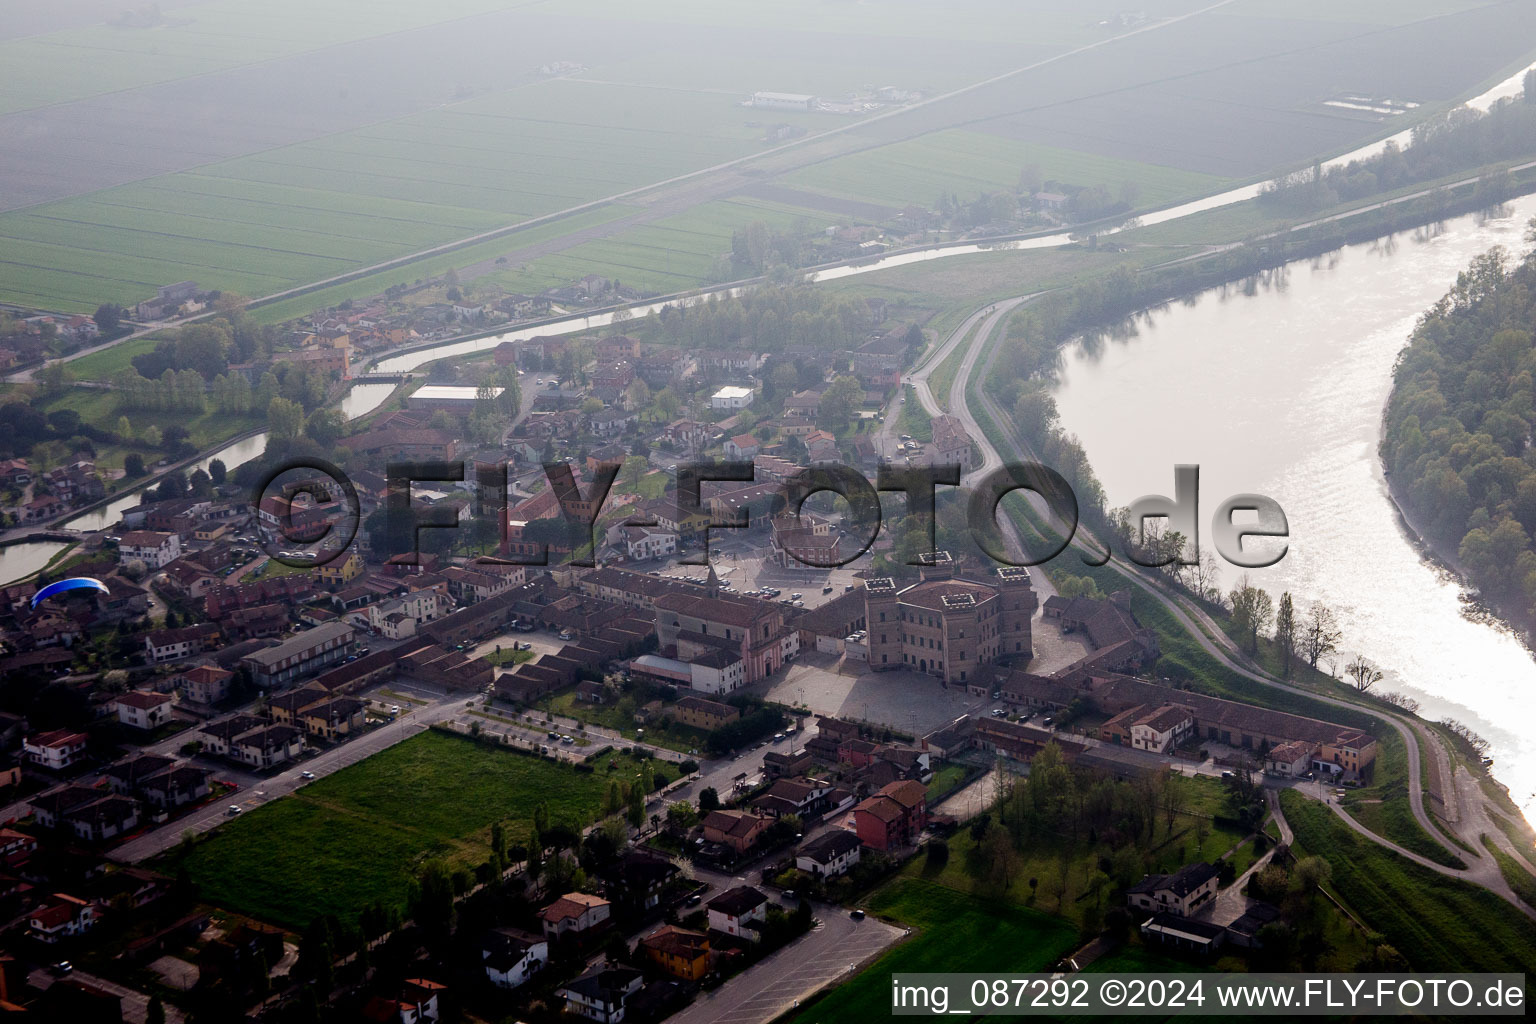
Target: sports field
{"x": 359, "y": 836}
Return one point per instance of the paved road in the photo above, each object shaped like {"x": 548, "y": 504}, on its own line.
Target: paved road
{"x": 265, "y": 788}
{"x": 135, "y": 1004}
{"x": 833, "y": 950}
{"x": 1482, "y": 869}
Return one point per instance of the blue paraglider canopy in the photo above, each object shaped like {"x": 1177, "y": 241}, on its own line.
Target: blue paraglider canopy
{"x": 68, "y": 586}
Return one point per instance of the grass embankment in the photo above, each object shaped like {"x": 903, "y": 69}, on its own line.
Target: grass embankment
{"x": 1519, "y": 879}
{"x": 1383, "y": 806}
{"x": 911, "y": 419}
{"x": 359, "y": 836}
{"x": 1438, "y": 923}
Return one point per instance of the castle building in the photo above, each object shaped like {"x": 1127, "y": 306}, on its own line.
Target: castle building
{"x": 949, "y": 624}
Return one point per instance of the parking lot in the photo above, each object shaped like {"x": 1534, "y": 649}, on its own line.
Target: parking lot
{"x": 909, "y": 702}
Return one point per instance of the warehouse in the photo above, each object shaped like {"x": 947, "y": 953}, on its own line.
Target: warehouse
{"x": 455, "y": 398}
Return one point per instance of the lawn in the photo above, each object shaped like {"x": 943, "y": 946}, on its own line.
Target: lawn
{"x": 1438, "y": 923}
{"x": 945, "y": 781}
{"x": 957, "y": 932}
{"x": 357, "y": 836}
{"x": 620, "y": 717}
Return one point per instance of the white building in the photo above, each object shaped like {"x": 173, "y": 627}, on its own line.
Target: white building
{"x": 144, "y": 710}
{"x": 574, "y": 913}
{"x": 783, "y": 101}
{"x": 153, "y": 548}
{"x": 1162, "y": 729}
{"x": 511, "y": 958}
{"x": 642, "y": 542}
{"x": 737, "y": 911}
{"x": 830, "y": 854}
{"x": 731, "y": 397}
{"x": 56, "y": 750}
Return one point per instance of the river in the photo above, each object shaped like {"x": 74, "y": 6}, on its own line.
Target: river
{"x": 1279, "y": 389}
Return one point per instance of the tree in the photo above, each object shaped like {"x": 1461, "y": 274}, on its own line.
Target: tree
{"x": 1285, "y": 632}
{"x": 54, "y": 377}
{"x": 151, "y": 436}
{"x": 709, "y": 800}
{"x": 154, "y": 1013}
{"x": 133, "y": 465}
{"x": 109, "y": 315}
{"x": 217, "y": 472}
{"x": 1252, "y": 611}
{"x": 838, "y": 403}
{"x": 285, "y": 419}
{"x": 1321, "y": 635}
{"x": 1362, "y": 673}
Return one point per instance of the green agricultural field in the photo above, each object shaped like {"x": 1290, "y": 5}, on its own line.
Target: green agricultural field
{"x": 959, "y": 932}
{"x": 358, "y": 836}
{"x": 224, "y": 34}
{"x": 107, "y": 363}
{"x": 1438, "y": 923}
{"x": 968, "y": 162}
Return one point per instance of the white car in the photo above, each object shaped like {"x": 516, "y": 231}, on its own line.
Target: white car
{"x": 306, "y": 775}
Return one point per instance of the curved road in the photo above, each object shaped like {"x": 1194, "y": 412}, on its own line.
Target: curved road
{"x": 1482, "y": 870}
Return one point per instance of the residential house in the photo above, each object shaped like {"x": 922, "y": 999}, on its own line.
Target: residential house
{"x": 704, "y": 714}
{"x": 153, "y": 548}
{"x": 739, "y": 830}
{"x": 1183, "y": 892}
{"x": 639, "y": 879}
{"x": 61, "y": 917}
{"x": 830, "y": 854}
{"x": 56, "y": 750}
{"x": 511, "y": 957}
{"x": 205, "y": 684}
{"x": 601, "y": 995}
{"x": 681, "y": 953}
{"x": 574, "y": 914}
{"x": 741, "y": 447}
{"x": 143, "y": 710}
{"x": 163, "y": 645}
{"x": 264, "y": 748}
{"x": 894, "y": 816}
{"x": 737, "y": 912}
{"x": 821, "y": 446}
{"x": 1289, "y": 760}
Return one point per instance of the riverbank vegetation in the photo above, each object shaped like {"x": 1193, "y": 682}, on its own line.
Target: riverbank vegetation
{"x": 1458, "y": 426}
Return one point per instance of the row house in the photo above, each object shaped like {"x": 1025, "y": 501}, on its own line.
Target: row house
{"x": 302, "y": 655}
{"x": 893, "y": 817}
{"x": 163, "y": 645}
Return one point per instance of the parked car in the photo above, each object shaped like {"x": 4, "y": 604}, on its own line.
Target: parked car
{"x": 62, "y": 968}
{"x": 857, "y": 915}
{"x": 566, "y": 634}
{"x": 234, "y": 809}
{"x": 778, "y": 737}
{"x": 306, "y": 775}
